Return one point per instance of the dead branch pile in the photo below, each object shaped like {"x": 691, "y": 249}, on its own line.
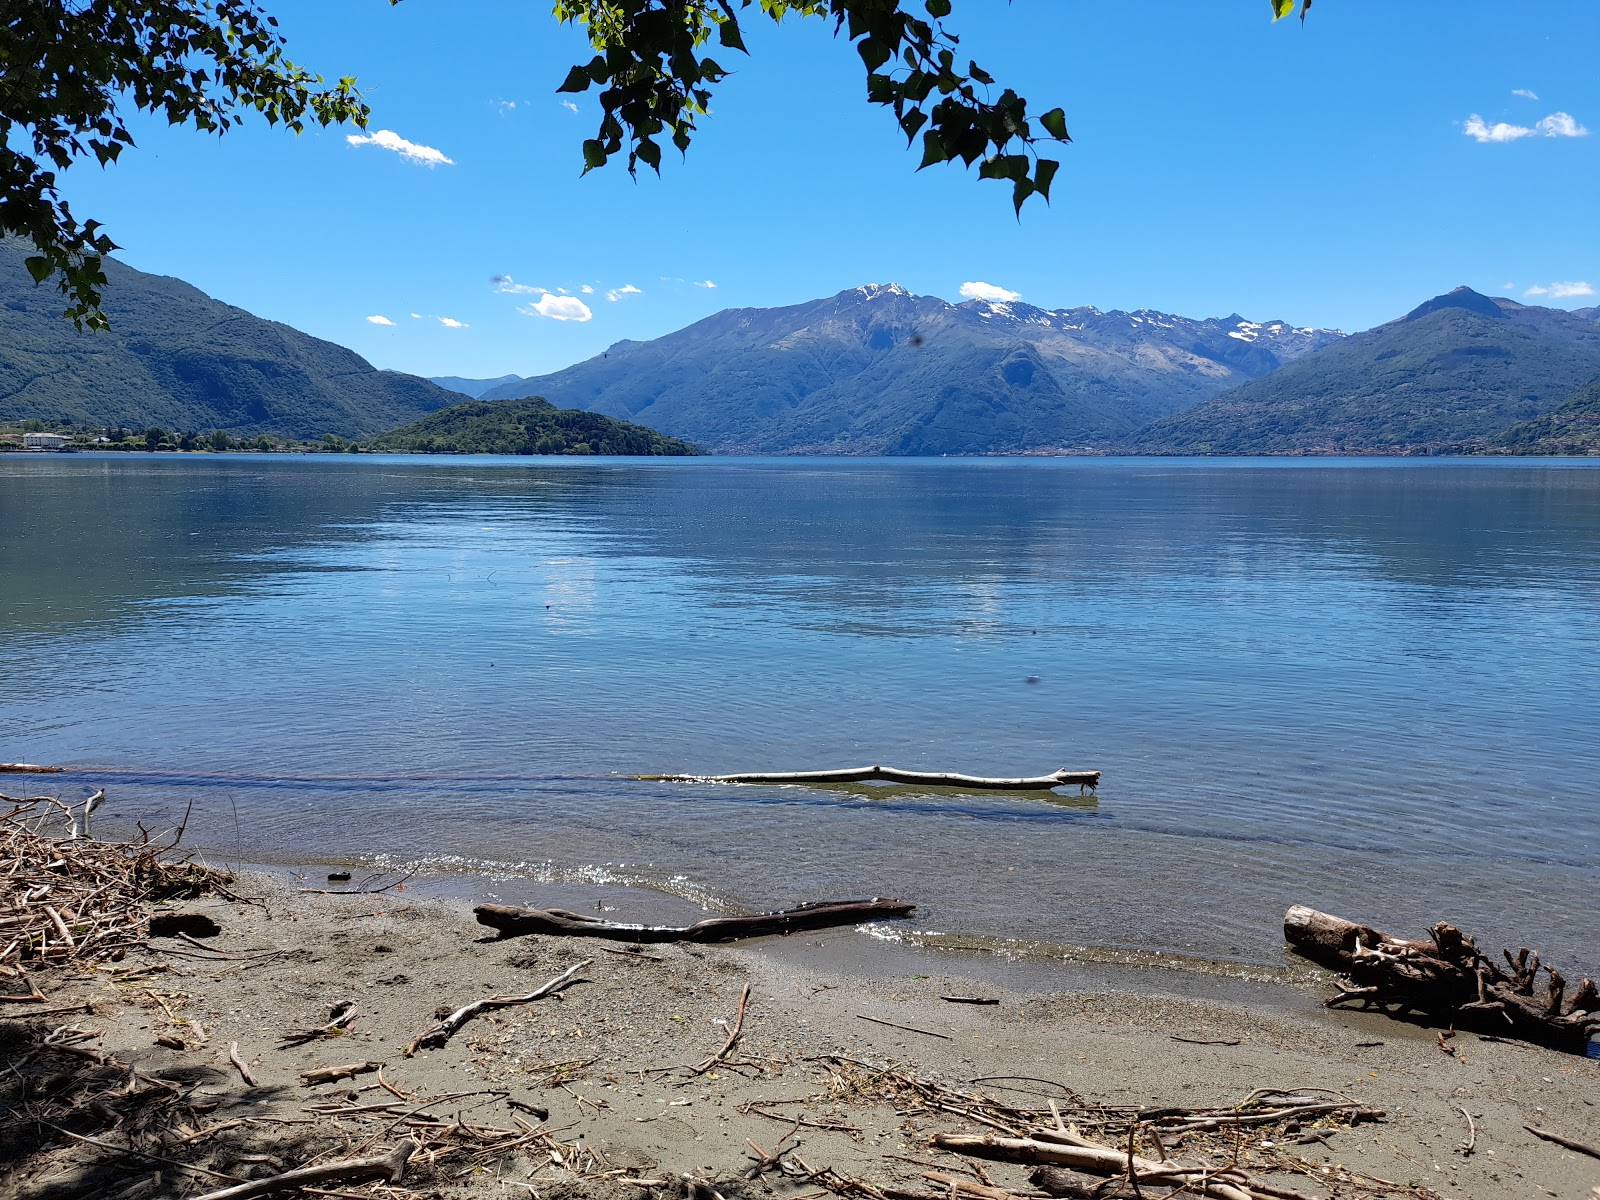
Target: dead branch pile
{"x": 65, "y": 897}
{"x": 1449, "y": 980}
{"x": 1236, "y": 1152}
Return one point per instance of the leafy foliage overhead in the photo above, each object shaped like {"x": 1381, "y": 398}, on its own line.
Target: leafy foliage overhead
{"x": 68, "y": 68}
{"x": 655, "y": 73}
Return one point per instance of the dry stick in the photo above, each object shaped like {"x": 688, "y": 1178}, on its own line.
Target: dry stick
{"x": 442, "y": 1032}
{"x": 1206, "y": 1041}
{"x": 1467, "y": 1147}
{"x": 331, "y": 1074}
{"x": 244, "y": 1068}
{"x": 907, "y": 1028}
{"x": 1562, "y": 1141}
{"x": 967, "y": 1187}
{"x": 356, "y": 891}
{"x": 733, "y": 1036}
{"x": 1102, "y": 1160}
{"x": 170, "y": 1162}
{"x": 389, "y": 1166}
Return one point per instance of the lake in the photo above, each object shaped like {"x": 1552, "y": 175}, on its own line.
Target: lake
{"x": 1372, "y": 686}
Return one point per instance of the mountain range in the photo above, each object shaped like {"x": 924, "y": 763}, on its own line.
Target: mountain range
{"x": 877, "y": 370}
{"x": 1455, "y": 373}
{"x": 871, "y": 370}
{"x": 178, "y": 359}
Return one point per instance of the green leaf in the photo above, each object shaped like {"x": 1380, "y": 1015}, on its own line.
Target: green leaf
{"x": 577, "y": 80}
{"x": 1020, "y": 191}
{"x": 1282, "y": 8}
{"x": 40, "y": 268}
{"x": 1055, "y": 122}
{"x": 933, "y": 150}
{"x": 1043, "y": 175}
{"x": 594, "y": 154}
{"x": 728, "y": 34}
{"x": 912, "y": 122}
{"x": 873, "y": 52}
{"x": 938, "y": 9}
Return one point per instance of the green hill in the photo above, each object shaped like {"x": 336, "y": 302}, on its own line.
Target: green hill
{"x": 529, "y": 426}
{"x": 178, "y": 359}
{"x": 1574, "y": 428}
{"x": 1459, "y": 369}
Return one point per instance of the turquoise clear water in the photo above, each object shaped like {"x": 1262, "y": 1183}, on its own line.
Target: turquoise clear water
{"x": 1370, "y": 686}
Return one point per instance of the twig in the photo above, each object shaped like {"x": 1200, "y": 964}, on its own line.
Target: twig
{"x": 1562, "y": 1141}
{"x": 170, "y": 1162}
{"x": 244, "y": 1068}
{"x": 733, "y": 1036}
{"x": 1467, "y": 1147}
{"x": 439, "y": 1034}
{"x": 332, "y": 1074}
{"x": 1205, "y": 1041}
{"x": 365, "y": 891}
{"x": 907, "y": 1028}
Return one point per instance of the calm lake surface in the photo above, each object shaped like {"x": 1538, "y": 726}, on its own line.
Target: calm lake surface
{"x": 1370, "y": 686}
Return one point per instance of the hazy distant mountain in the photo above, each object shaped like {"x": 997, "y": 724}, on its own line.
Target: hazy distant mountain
{"x": 876, "y": 370}
{"x": 1574, "y": 428}
{"x": 472, "y": 387}
{"x": 530, "y": 426}
{"x": 1459, "y": 369}
{"x": 176, "y": 358}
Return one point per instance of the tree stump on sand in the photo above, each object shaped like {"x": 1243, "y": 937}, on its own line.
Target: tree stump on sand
{"x": 1449, "y": 980}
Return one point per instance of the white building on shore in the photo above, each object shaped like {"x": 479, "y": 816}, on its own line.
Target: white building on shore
{"x": 44, "y": 441}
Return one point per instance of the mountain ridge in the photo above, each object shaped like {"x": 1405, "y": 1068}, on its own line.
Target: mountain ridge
{"x": 877, "y": 370}
{"x": 180, "y": 359}
{"x": 1457, "y": 370}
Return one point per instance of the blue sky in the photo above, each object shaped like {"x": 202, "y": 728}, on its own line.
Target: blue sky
{"x": 1335, "y": 175}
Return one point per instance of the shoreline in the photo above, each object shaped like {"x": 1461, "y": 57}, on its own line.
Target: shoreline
{"x": 611, "y": 1060}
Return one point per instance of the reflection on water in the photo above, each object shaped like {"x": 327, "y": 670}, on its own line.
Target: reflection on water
{"x": 1369, "y": 687}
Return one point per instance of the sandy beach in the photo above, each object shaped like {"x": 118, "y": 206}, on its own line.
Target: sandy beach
{"x": 848, "y": 1063}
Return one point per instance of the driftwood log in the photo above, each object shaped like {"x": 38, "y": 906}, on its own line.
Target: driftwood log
{"x": 1449, "y": 980}
{"x": 1025, "y": 783}
{"x": 513, "y": 921}
{"x": 343, "y": 1173}
{"x": 27, "y": 769}
{"x": 1044, "y": 1149}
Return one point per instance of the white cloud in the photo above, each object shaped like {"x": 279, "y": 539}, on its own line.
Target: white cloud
{"x": 558, "y": 308}
{"x": 1524, "y": 93}
{"x": 416, "y": 316}
{"x": 989, "y": 292}
{"x": 452, "y": 323}
{"x": 1475, "y": 127}
{"x": 507, "y": 106}
{"x": 376, "y": 320}
{"x": 388, "y": 139}
{"x": 1560, "y": 124}
{"x": 510, "y": 287}
{"x": 705, "y": 283}
{"x": 569, "y": 106}
{"x": 586, "y": 290}
{"x": 626, "y": 289}
{"x": 1556, "y": 125}
{"x": 1569, "y": 289}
